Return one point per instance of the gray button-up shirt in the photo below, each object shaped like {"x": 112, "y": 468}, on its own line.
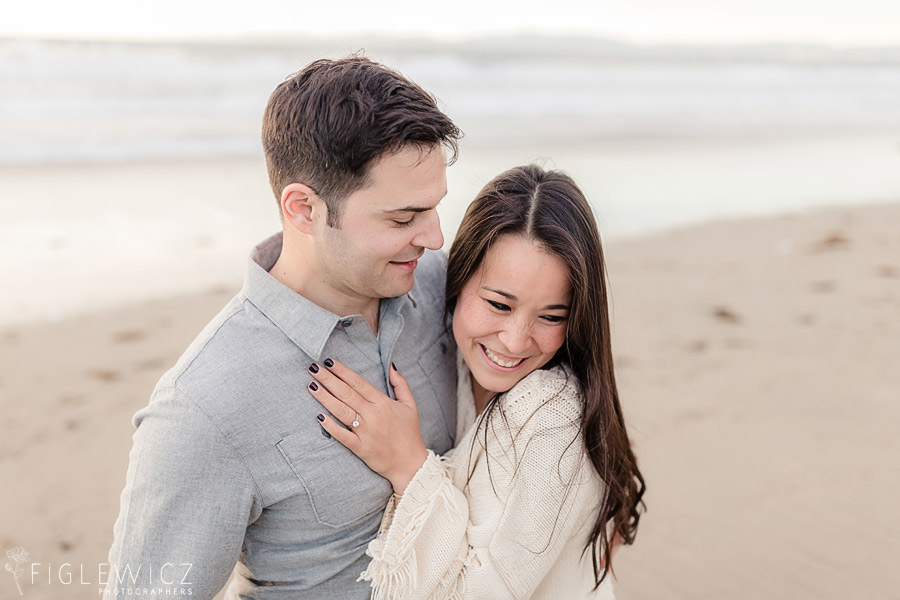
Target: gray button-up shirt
{"x": 230, "y": 467}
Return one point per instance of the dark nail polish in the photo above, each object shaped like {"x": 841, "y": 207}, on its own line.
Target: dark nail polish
{"x": 329, "y": 363}
{"x": 393, "y": 366}
{"x": 313, "y": 386}
{"x": 321, "y": 418}
{"x": 326, "y": 434}
{"x": 314, "y": 368}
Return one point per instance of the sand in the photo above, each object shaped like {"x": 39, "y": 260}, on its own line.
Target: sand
{"x": 758, "y": 367}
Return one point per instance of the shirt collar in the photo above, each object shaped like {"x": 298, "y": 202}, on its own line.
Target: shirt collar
{"x": 307, "y": 324}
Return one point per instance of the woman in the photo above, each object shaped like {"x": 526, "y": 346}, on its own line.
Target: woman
{"x": 543, "y": 475}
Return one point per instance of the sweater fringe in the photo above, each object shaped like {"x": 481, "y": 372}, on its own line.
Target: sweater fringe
{"x": 395, "y": 574}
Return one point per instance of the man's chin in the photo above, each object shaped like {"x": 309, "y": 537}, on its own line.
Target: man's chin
{"x": 398, "y": 286}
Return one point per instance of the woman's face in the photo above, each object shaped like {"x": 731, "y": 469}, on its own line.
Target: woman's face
{"x": 511, "y": 315}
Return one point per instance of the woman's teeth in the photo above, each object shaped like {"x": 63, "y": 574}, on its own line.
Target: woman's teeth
{"x": 502, "y": 363}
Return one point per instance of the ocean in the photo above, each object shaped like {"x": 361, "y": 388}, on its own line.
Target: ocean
{"x": 131, "y": 170}
{"x": 67, "y": 101}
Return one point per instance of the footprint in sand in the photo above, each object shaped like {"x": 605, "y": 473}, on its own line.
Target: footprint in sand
{"x": 889, "y": 271}
{"x": 725, "y": 314}
{"x": 806, "y": 320}
{"x": 698, "y": 346}
{"x": 130, "y": 335}
{"x": 151, "y": 364}
{"x": 624, "y": 361}
{"x": 832, "y": 241}
{"x": 74, "y": 399}
{"x": 733, "y": 343}
{"x": 694, "y": 415}
{"x": 103, "y": 374}
{"x": 822, "y": 287}
{"x": 219, "y": 290}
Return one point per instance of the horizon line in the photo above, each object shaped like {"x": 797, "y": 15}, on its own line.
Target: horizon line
{"x": 610, "y": 41}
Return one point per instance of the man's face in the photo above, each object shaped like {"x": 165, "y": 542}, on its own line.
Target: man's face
{"x": 386, "y": 226}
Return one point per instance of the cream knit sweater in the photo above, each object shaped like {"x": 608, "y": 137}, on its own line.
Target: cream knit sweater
{"x": 517, "y": 530}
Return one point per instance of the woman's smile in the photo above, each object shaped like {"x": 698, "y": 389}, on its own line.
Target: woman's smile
{"x": 511, "y": 315}
{"x": 505, "y": 362}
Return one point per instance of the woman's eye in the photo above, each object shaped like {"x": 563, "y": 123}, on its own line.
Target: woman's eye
{"x": 498, "y": 305}
{"x": 553, "y": 318}
{"x": 404, "y": 223}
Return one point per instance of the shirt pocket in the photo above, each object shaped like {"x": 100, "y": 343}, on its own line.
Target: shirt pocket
{"x": 438, "y": 363}
{"x": 341, "y": 489}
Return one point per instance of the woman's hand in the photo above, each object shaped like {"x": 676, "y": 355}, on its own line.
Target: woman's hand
{"x": 383, "y": 432}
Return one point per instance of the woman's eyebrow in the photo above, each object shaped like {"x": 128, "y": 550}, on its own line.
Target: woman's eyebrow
{"x": 509, "y": 296}
{"x": 506, "y": 295}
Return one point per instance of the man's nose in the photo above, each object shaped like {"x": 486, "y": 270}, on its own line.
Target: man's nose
{"x": 430, "y": 236}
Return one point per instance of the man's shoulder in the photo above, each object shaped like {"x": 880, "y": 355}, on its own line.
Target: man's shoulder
{"x": 220, "y": 362}
{"x": 223, "y": 327}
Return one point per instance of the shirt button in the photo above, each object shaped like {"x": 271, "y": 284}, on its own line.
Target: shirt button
{"x": 347, "y": 322}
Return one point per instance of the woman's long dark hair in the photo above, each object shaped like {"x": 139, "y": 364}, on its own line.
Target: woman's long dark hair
{"x": 547, "y": 207}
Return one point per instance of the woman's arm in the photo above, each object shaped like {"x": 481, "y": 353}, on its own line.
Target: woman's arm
{"x": 427, "y": 546}
{"x": 430, "y": 549}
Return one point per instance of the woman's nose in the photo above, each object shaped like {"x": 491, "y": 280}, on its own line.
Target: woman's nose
{"x": 516, "y": 337}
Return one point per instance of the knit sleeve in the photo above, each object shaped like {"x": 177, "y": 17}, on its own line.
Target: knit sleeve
{"x": 422, "y": 538}
{"x": 428, "y": 547}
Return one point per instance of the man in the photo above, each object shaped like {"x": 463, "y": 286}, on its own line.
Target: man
{"x": 229, "y": 463}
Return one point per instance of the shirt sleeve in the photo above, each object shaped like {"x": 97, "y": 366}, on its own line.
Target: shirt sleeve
{"x": 187, "y": 501}
{"x": 427, "y": 547}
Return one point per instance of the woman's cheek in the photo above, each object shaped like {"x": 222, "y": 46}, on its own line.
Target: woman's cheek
{"x": 479, "y": 321}
{"x": 553, "y": 339}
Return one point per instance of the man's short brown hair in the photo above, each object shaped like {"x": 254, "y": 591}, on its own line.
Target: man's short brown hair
{"x": 328, "y": 124}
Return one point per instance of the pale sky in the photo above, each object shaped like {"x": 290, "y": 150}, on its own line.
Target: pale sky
{"x": 831, "y": 22}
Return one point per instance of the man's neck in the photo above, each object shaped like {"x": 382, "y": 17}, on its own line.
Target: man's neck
{"x": 302, "y": 277}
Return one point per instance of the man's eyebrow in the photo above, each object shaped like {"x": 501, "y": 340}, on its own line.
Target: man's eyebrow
{"x": 509, "y": 296}
{"x": 406, "y": 209}
{"x": 412, "y": 209}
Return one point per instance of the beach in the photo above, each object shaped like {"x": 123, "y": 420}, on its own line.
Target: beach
{"x": 749, "y": 201}
{"x": 757, "y": 366}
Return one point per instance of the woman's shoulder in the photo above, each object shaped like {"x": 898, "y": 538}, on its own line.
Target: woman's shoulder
{"x": 545, "y": 396}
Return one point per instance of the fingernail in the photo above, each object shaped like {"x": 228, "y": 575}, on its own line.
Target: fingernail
{"x": 314, "y": 368}
{"x": 326, "y": 434}
{"x": 321, "y": 418}
{"x": 329, "y": 363}
{"x": 393, "y": 366}
{"x": 313, "y": 386}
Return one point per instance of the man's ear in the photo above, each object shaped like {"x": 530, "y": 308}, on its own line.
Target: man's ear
{"x": 301, "y": 206}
